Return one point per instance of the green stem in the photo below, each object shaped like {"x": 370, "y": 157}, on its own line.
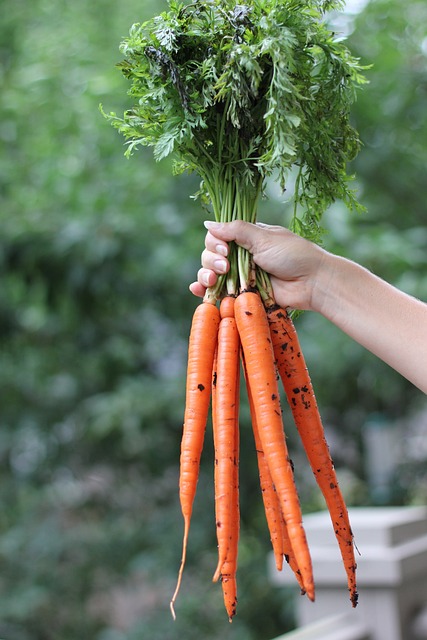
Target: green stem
{"x": 294, "y": 225}
{"x": 264, "y": 287}
{"x": 234, "y": 197}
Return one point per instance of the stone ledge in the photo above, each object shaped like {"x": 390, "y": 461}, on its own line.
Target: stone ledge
{"x": 342, "y": 627}
{"x": 392, "y": 545}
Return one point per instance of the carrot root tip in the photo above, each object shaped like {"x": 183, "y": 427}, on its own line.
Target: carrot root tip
{"x": 216, "y": 575}
{"x": 310, "y": 595}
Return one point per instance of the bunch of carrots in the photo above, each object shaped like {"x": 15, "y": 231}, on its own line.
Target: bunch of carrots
{"x": 248, "y": 332}
{"x": 237, "y": 93}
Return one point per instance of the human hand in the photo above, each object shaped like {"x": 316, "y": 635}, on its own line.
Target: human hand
{"x": 293, "y": 263}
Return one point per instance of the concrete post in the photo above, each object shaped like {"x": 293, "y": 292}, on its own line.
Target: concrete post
{"x": 391, "y": 571}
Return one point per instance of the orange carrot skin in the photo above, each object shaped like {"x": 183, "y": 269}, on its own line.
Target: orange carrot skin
{"x": 229, "y": 590}
{"x": 201, "y": 352}
{"x": 225, "y": 430}
{"x": 255, "y": 337}
{"x": 229, "y": 568}
{"x": 226, "y": 307}
{"x": 279, "y": 536}
{"x": 298, "y": 387}
{"x": 290, "y": 556}
{"x": 272, "y": 509}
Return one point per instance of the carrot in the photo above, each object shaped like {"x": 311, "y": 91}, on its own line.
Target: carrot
{"x": 226, "y": 308}
{"x": 225, "y": 425}
{"x": 229, "y": 568}
{"x": 272, "y": 509}
{"x": 298, "y": 387}
{"x": 276, "y": 524}
{"x": 290, "y": 556}
{"x": 201, "y": 351}
{"x": 252, "y": 323}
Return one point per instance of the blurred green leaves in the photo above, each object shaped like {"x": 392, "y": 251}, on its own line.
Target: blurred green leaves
{"x": 96, "y": 252}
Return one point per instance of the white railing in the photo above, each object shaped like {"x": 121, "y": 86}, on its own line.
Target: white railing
{"x": 391, "y": 576}
{"x": 340, "y": 627}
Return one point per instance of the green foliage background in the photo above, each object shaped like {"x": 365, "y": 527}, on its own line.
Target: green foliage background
{"x": 96, "y": 252}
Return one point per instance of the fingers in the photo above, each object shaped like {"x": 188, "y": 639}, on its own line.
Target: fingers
{"x": 197, "y": 289}
{"x": 243, "y": 233}
{"x": 212, "y": 261}
{"x": 214, "y": 257}
{"x": 216, "y": 245}
{"x": 205, "y": 278}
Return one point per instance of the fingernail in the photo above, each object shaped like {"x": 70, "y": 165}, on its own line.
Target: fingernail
{"x": 220, "y": 266}
{"x": 222, "y": 250}
{"x": 205, "y": 280}
{"x": 210, "y": 224}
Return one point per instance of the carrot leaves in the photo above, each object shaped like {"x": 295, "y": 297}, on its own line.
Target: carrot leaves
{"x": 241, "y": 92}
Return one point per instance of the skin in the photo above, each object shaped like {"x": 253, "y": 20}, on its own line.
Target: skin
{"x": 386, "y": 321}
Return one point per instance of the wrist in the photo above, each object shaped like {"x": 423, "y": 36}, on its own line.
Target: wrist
{"x": 324, "y": 287}
{"x": 334, "y": 284}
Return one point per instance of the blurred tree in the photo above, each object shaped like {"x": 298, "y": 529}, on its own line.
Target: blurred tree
{"x": 95, "y": 256}
{"x": 392, "y": 111}
{"x": 390, "y": 238}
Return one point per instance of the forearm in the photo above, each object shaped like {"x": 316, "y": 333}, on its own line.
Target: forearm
{"x": 386, "y": 321}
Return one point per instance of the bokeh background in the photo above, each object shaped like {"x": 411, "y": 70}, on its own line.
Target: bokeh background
{"x": 96, "y": 253}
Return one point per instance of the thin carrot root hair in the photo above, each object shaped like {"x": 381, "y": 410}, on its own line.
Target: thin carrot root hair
{"x": 181, "y": 567}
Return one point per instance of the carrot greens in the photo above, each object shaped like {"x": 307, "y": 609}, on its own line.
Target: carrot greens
{"x": 239, "y": 93}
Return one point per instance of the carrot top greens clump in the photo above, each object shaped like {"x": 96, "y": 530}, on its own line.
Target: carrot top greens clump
{"x": 241, "y": 92}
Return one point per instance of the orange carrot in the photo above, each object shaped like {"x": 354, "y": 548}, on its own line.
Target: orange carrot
{"x": 290, "y": 556}
{"x": 225, "y": 425}
{"x": 276, "y": 524}
{"x": 272, "y": 509}
{"x": 229, "y": 568}
{"x": 201, "y": 351}
{"x": 226, "y": 307}
{"x": 255, "y": 337}
{"x": 296, "y": 381}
